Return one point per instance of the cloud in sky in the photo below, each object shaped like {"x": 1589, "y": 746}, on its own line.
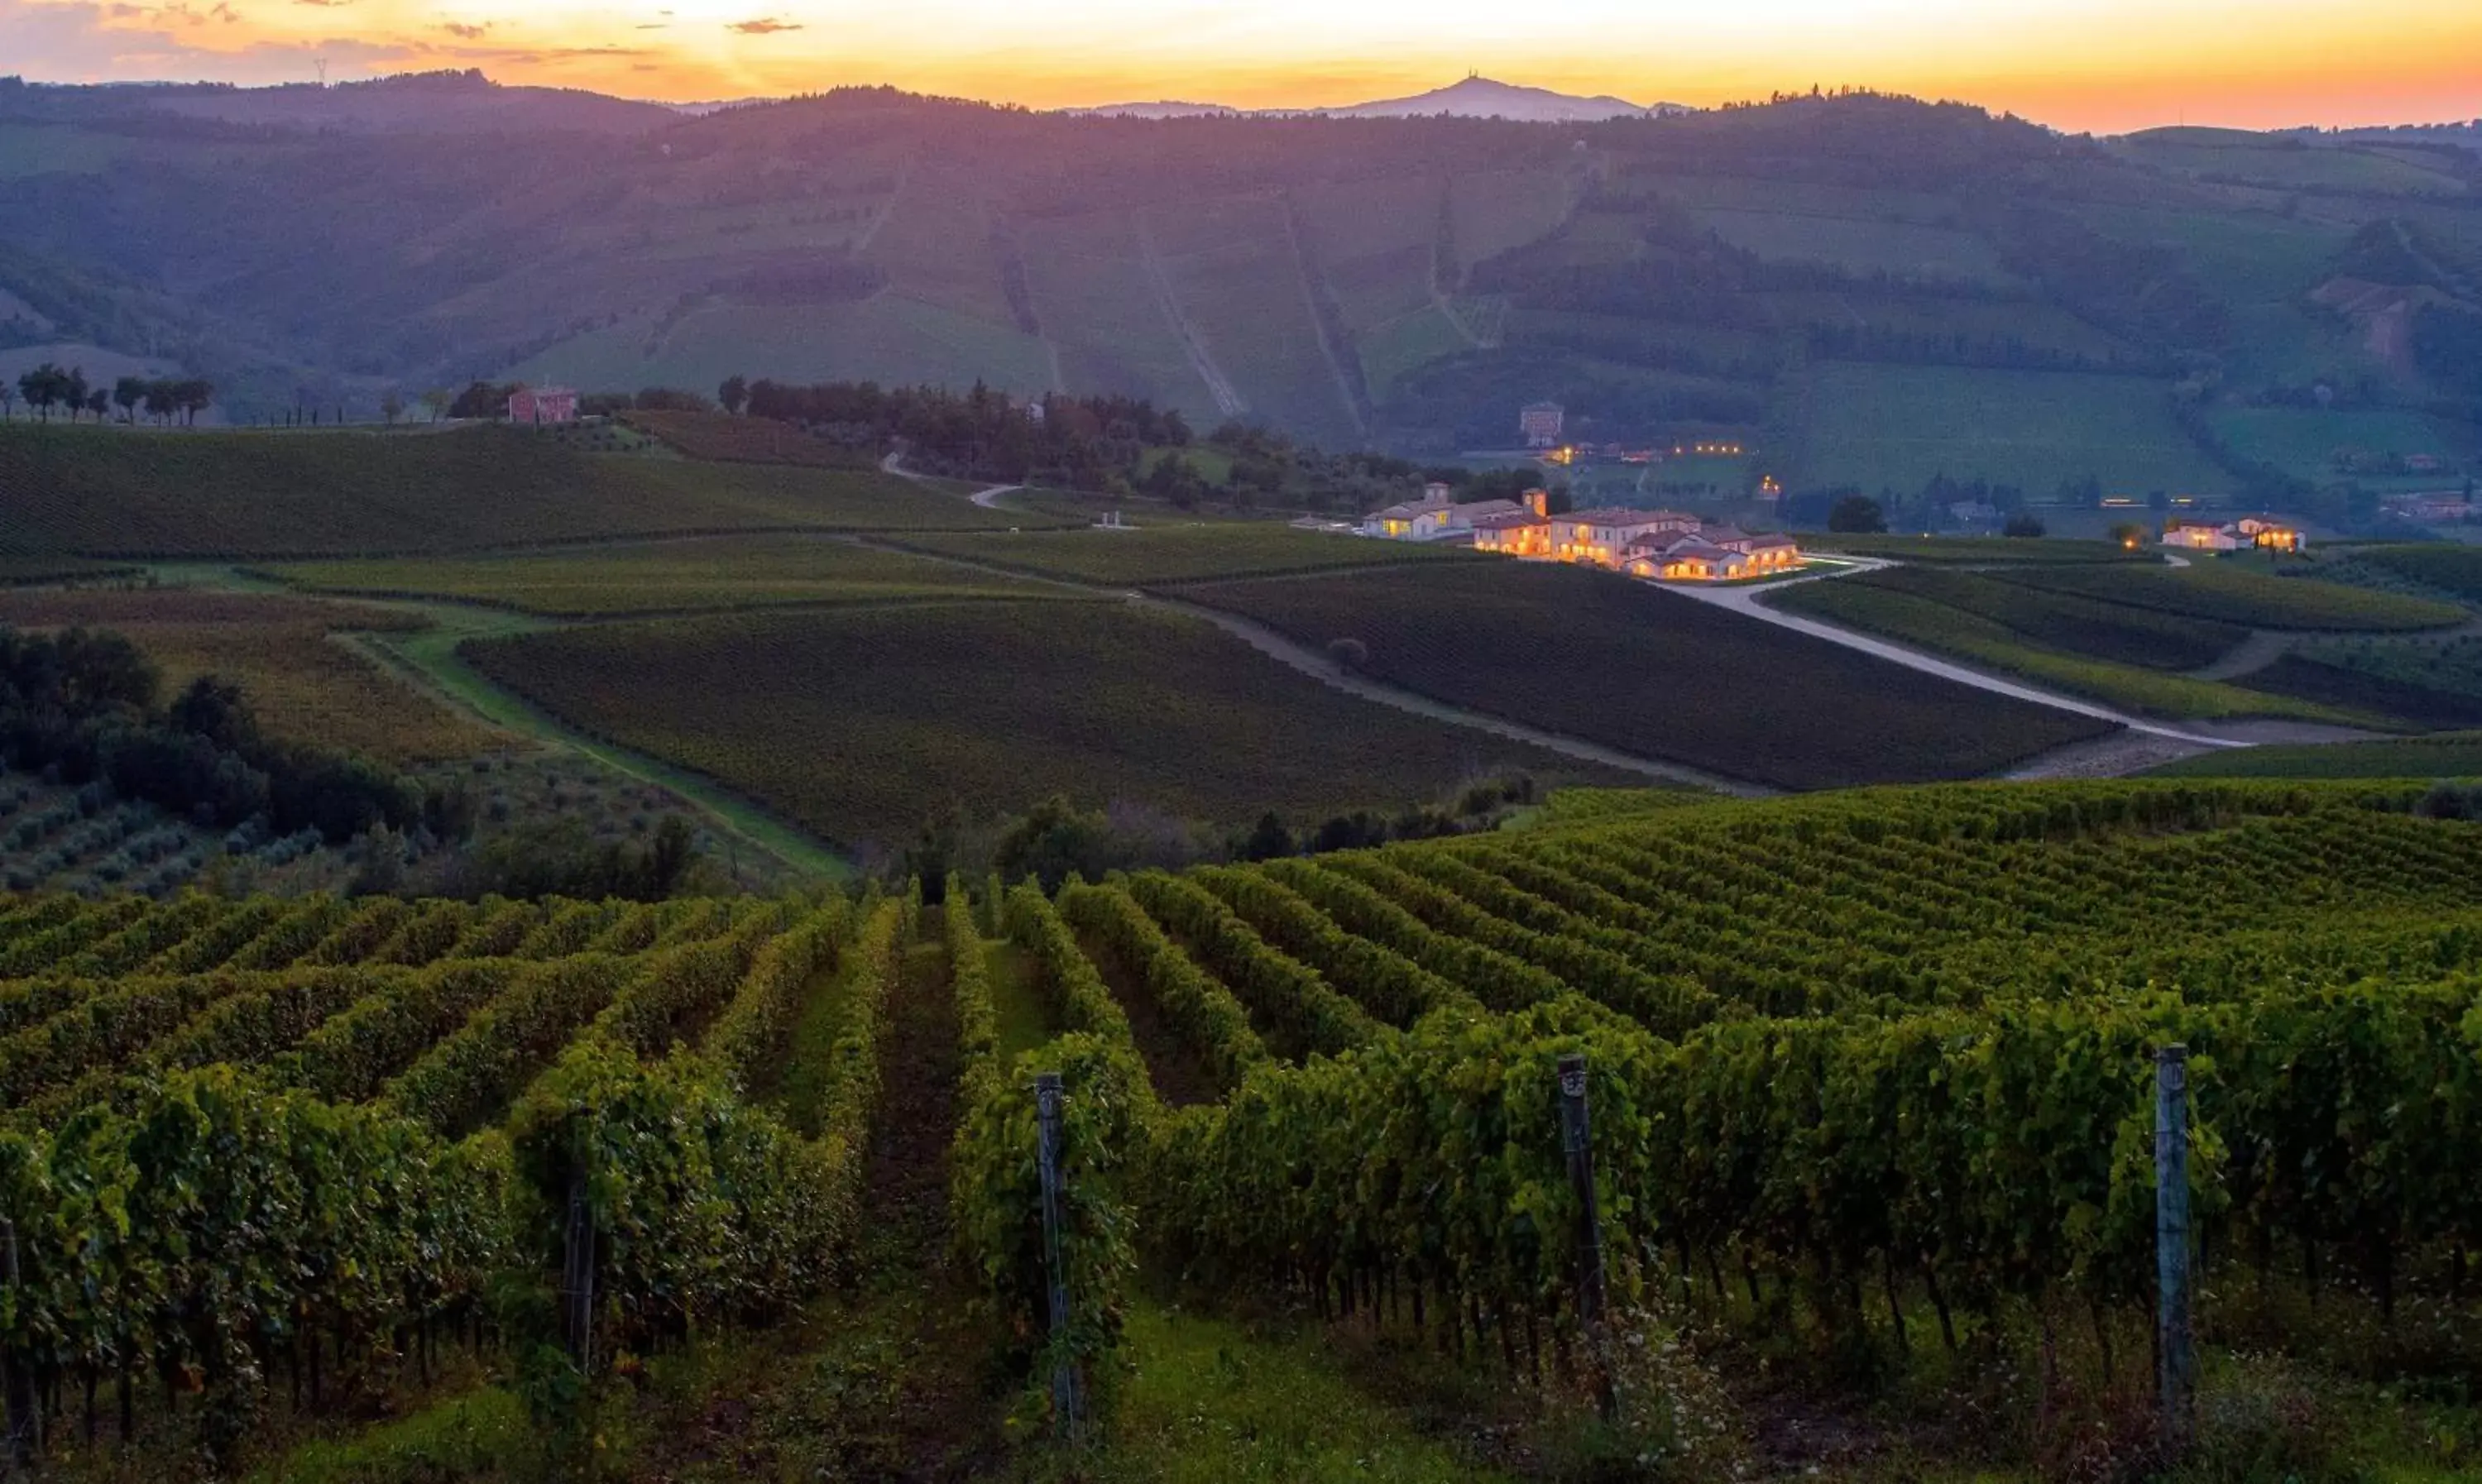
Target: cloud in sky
{"x": 764, "y": 25}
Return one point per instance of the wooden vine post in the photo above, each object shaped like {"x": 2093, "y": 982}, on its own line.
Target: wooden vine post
{"x": 1576, "y": 1142}
{"x": 25, "y": 1441}
{"x": 2172, "y": 1247}
{"x": 1064, "y": 1370}
{"x": 577, "y": 1275}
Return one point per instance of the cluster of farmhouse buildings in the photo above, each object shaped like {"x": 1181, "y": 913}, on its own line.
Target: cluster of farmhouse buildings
{"x": 1665, "y": 544}
{"x": 2205, "y": 533}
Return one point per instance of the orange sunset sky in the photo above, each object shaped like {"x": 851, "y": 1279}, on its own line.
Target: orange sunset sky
{"x": 2097, "y": 64}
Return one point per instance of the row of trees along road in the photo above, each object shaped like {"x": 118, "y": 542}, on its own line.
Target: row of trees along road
{"x": 161, "y": 398}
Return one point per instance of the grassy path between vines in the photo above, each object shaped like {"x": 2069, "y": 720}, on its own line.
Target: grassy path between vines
{"x": 1180, "y": 1074}
{"x": 428, "y": 660}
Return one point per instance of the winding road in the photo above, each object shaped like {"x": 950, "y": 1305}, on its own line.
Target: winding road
{"x": 1745, "y": 601}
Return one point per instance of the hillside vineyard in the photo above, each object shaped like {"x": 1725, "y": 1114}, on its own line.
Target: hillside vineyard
{"x": 1897, "y": 1043}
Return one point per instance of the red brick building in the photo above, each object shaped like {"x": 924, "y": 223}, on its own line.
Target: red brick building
{"x": 540, "y": 405}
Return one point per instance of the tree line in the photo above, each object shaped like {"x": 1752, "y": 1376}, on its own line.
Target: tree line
{"x": 83, "y": 705}
{"x": 161, "y": 399}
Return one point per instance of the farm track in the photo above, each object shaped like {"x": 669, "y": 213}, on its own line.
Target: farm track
{"x": 1746, "y": 602}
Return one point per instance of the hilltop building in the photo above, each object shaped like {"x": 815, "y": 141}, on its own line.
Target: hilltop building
{"x": 542, "y": 405}
{"x": 2196, "y": 533}
{"x": 1539, "y": 424}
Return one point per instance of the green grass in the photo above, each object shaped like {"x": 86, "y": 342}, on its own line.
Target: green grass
{"x": 1020, "y": 1014}
{"x": 104, "y": 491}
{"x": 1898, "y": 427}
{"x": 2231, "y": 593}
{"x": 1155, "y": 555}
{"x": 712, "y": 573}
{"x": 1981, "y": 640}
{"x": 1654, "y": 674}
{"x": 2447, "y": 754}
{"x": 862, "y": 723}
{"x": 1977, "y": 551}
{"x": 483, "y": 1434}
{"x": 2306, "y": 443}
{"x": 1211, "y": 1400}
{"x": 2058, "y": 620}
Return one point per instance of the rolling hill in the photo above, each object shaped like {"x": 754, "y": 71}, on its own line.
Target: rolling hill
{"x": 1837, "y": 283}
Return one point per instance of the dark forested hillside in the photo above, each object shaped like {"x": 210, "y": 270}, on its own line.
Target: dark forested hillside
{"x": 1853, "y": 290}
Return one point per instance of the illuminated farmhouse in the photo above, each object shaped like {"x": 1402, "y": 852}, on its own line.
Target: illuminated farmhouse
{"x": 1666, "y": 546}
{"x": 2207, "y": 535}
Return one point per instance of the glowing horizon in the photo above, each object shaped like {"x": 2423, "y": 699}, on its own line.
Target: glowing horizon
{"x": 2105, "y": 65}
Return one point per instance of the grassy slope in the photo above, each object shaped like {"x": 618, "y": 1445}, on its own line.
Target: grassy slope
{"x": 2233, "y": 594}
{"x": 2061, "y": 620}
{"x": 1935, "y": 626}
{"x": 2304, "y": 443}
{"x": 1974, "y": 550}
{"x": 115, "y": 491}
{"x": 1181, "y": 553}
{"x": 1621, "y": 663}
{"x": 724, "y": 572}
{"x": 1898, "y": 427}
{"x": 2449, "y": 568}
{"x": 861, "y": 724}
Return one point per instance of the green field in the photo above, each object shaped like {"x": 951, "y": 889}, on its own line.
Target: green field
{"x": 131, "y": 492}
{"x": 2307, "y": 444}
{"x": 2389, "y": 678}
{"x": 2286, "y": 163}
{"x": 1088, "y": 280}
{"x": 862, "y": 723}
{"x": 1898, "y": 427}
{"x": 1233, "y": 269}
{"x": 673, "y": 576}
{"x": 1977, "y": 551}
{"x": 1155, "y": 555}
{"x": 2249, "y": 256}
{"x": 1942, "y": 629}
{"x": 18, "y": 570}
{"x": 886, "y": 338}
{"x": 301, "y": 682}
{"x": 2058, "y": 620}
{"x": 2227, "y": 593}
{"x": 1621, "y": 663}
{"x": 1858, "y": 245}
{"x": 2446, "y": 566}
{"x": 2445, "y": 754}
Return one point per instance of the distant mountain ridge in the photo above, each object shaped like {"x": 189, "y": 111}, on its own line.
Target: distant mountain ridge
{"x": 1473, "y": 97}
